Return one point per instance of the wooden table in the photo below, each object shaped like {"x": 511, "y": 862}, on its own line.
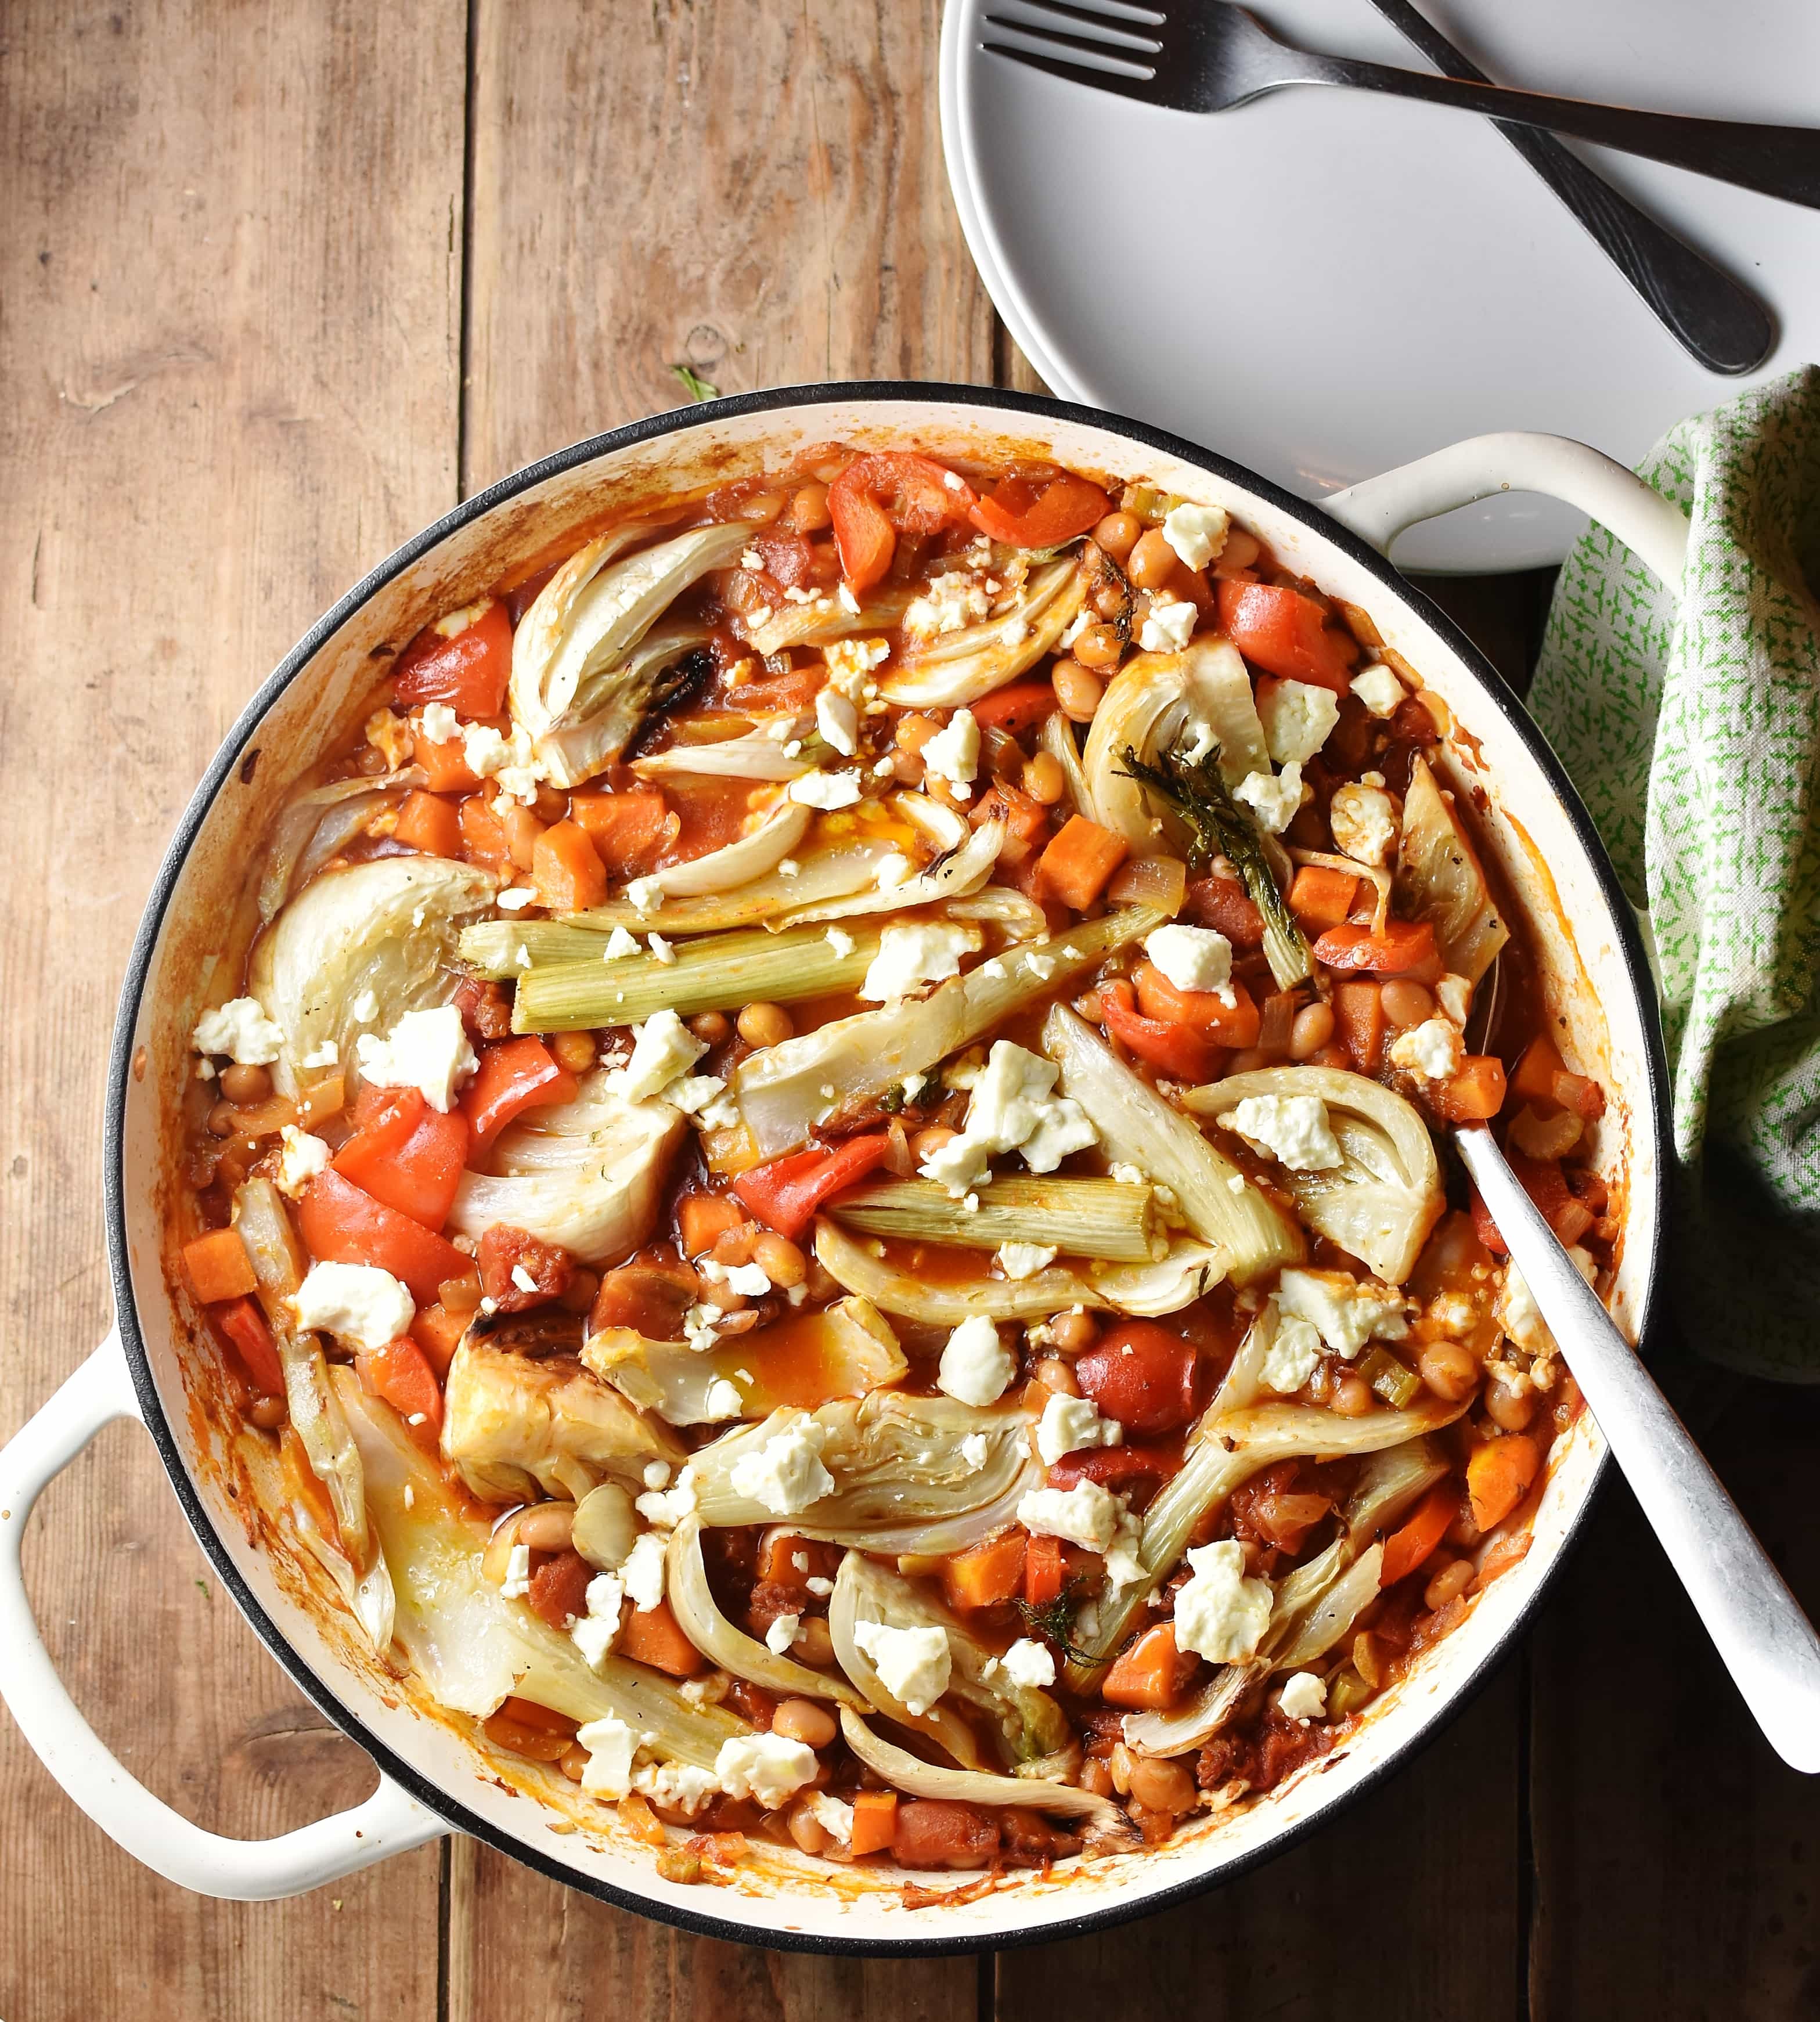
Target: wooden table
{"x": 281, "y": 283}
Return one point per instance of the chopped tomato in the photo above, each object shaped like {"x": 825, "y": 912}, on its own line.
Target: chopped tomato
{"x": 1406, "y": 948}
{"x": 400, "y": 1373}
{"x": 1542, "y": 1179}
{"x": 1016, "y": 707}
{"x": 343, "y": 1224}
{"x": 519, "y": 1270}
{"x": 1118, "y": 1469}
{"x": 629, "y": 830}
{"x": 877, "y": 498}
{"x": 942, "y": 1832}
{"x": 1150, "y": 1672}
{"x": 1287, "y": 634}
{"x": 1019, "y": 513}
{"x": 1043, "y": 1568}
{"x": 785, "y": 1194}
{"x": 516, "y": 1075}
{"x": 1223, "y": 904}
{"x": 1203, "y": 1011}
{"x": 1178, "y": 1051}
{"x": 467, "y": 666}
{"x": 244, "y": 1324}
{"x": 1142, "y": 1375}
{"x": 406, "y": 1154}
{"x": 559, "y": 1589}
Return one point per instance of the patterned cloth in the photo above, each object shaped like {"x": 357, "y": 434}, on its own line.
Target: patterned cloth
{"x": 1691, "y": 726}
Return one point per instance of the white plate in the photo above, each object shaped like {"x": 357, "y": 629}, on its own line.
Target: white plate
{"x": 1324, "y": 283}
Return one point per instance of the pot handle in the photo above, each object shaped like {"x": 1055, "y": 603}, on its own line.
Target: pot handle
{"x": 1378, "y": 509}
{"x": 388, "y": 1822}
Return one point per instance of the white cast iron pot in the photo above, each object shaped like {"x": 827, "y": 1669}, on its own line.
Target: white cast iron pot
{"x": 431, "y": 1779}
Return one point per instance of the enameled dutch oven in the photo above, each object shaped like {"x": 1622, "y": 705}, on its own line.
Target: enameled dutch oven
{"x": 432, "y": 1780}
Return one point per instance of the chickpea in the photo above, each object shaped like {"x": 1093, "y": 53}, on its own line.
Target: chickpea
{"x": 713, "y": 1029}
{"x": 906, "y": 769}
{"x": 372, "y": 762}
{"x": 1352, "y": 1397}
{"x": 1073, "y": 1334}
{"x": 1152, "y": 561}
{"x": 1313, "y": 1028}
{"x": 267, "y": 1413}
{"x": 245, "y": 1085}
{"x": 802, "y": 1720}
{"x": 1056, "y": 1377}
{"x": 1043, "y": 779}
{"x": 1450, "y": 1579}
{"x": 574, "y": 1051}
{"x": 1077, "y": 689}
{"x": 551, "y": 804}
{"x": 1162, "y": 1786}
{"x": 548, "y": 1527}
{"x": 1509, "y": 1409}
{"x": 1117, "y": 534}
{"x": 780, "y": 1260}
{"x": 522, "y": 830}
{"x": 573, "y": 1762}
{"x": 222, "y": 1120}
{"x": 735, "y": 1245}
{"x": 460, "y": 1295}
{"x": 808, "y": 508}
{"x": 765, "y": 1024}
{"x": 808, "y": 1831}
{"x": 913, "y": 731}
{"x": 1449, "y": 1370}
{"x": 1241, "y": 550}
{"x": 1095, "y": 1776}
{"x": 1099, "y": 648}
{"x": 1407, "y": 1003}
{"x": 1331, "y": 1057}
{"x": 580, "y": 1295}
{"x": 814, "y": 1644}
{"x": 930, "y": 1140}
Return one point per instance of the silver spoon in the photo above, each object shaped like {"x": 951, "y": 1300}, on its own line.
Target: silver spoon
{"x": 1755, "y": 1623}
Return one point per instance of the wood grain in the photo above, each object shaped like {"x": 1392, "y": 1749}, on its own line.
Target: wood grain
{"x": 229, "y": 350}
{"x": 756, "y": 192}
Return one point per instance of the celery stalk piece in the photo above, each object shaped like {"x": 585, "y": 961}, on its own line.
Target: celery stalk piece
{"x": 503, "y": 950}
{"x": 1080, "y": 1218}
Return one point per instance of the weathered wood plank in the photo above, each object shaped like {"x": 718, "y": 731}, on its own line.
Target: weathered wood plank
{"x": 229, "y": 349}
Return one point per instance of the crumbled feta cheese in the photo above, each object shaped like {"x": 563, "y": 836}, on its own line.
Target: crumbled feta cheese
{"x": 510, "y": 760}
{"x": 1193, "y": 958}
{"x": 953, "y": 754}
{"x": 1378, "y": 689}
{"x": 678, "y": 1787}
{"x": 846, "y": 600}
{"x": 645, "y": 894}
{"x": 611, "y": 1745}
{"x": 596, "y": 1631}
{"x": 913, "y": 1665}
{"x": 1012, "y": 1108}
{"x": 699, "y": 1326}
{"x": 723, "y": 1401}
{"x": 952, "y": 600}
{"x": 840, "y": 940}
{"x": 439, "y": 723}
{"x": 893, "y": 870}
{"x": 1432, "y": 1049}
{"x": 1128, "y": 1176}
{"x": 663, "y": 1050}
{"x": 1520, "y": 1317}
{"x": 1197, "y": 533}
{"x": 786, "y": 1473}
{"x": 1304, "y": 1697}
{"x": 1292, "y": 1128}
{"x": 849, "y": 661}
{"x": 642, "y": 1574}
{"x": 366, "y": 1007}
{"x": 426, "y": 1049}
{"x": 241, "y": 1030}
{"x": 657, "y": 1474}
{"x": 1273, "y": 799}
{"x": 303, "y": 1156}
{"x": 1364, "y": 822}
{"x": 838, "y": 721}
{"x": 515, "y": 898}
{"x": 1086, "y": 1514}
{"x": 355, "y": 1302}
{"x": 1026, "y": 1665}
{"x": 619, "y": 945}
{"x": 522, "y": 1279}
{"x": 1068, "y": 1424}
{"x": 976, "y": 1366}
{"x": 516, "y": 1583}
{"x": 974, "y": 1449}
{"x": 780, "y": 1637}
{"x": 1454, "y": 995}
{"x": 768, "y": 1767}
{"x": 1347, "y": 1312}
{"x": 908, "y": 956}
{"x": 1024, "y": 1259}
{"x": 1293, "y": 1357}
{"x": 1298, "y": 718}
{"x": 326, "y": 1055}
{"x": 664, "y": 952}
{"x": 664, "y": 1509}
{"x": 825, "y": 790}
{"x": 1169, "y": 625}
{"x": 1220, "y": 1614}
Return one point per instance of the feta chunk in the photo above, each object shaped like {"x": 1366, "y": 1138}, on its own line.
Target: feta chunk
{"x": 976, "y": 1366}
{"x": 663, "y": 1050}
{"x": 827, "y": 791}
{"x": 1167, "y": 626}
{"x": 1298, "y": 718}
{"x": 908, "y": 956}
{"x": 619, "y": 945}
{"x": 952, "y": 600}
{"x": 509, "y": 761}
{"x": 1193, "y": 958}
{"x": 645, "y": 894}
{"x": 1378, "y": 689}
{"x": 840, "y": 940}
{"x": 1292, "y": 1129}
{"x": 1028, "y": 1664}
{"x": 1068, "y": 1424}
{"x": 595, "y": 1633}
{"x": 1025, "y": 1260}
{"x": 838, "y": 721}
{"x": 1346, "y": 1312}
{"x": 1012, "y": 1108}
{"x": 426, "y": 1049}
{"x": 1220, "y": 1614}
{"x": 611, "y": 1745}
{"x": 664, "y": 1509}
{"x": 302, "y": 1157}
{"x": 355, "y": 1302}
{"x": 241, "y": 1030}
{"x": 723, "y": 1401}
{"x": 1197, "y": 533}
{"x": 913, "y": 1665}
{"x": 678, "y": 1787}
{"x": 439, "y": 723}
{"x": 781, "y": 1635}
{"x": 1364, "y": 825}
{"x": 785, "y": 1474}
{"x": 1086, "y": 1514}
{"x": 642, "y": 1574}
{"x": 1304, "y": 1697}
{"x": 516, "y": 1583}
{"x": 1293, "y": 1355}
{"x": 953, "y": 753}
{"x": 1273, "y": 799}
{"x": 515, "y": 898}
{"x": 768, "y": 1767}
{"x": 1432, "y": 1049}
{"x": 849, "y": 661}
{"x": 1454, "y": 995}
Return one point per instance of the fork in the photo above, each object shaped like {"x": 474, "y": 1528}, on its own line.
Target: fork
{"x": 1217, "y": 56}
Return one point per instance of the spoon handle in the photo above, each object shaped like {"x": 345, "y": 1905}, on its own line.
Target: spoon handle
{"x": 1755, "y": 1623}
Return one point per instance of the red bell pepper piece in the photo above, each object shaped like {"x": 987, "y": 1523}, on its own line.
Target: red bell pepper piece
{"x": 877, "y": 498}
{"x": 1017, "y": 512}
{"x": 406, "y": 1154}
{"x": 1287, "y": 634}
{"x": 1406, "y": 948}
{"x": 1178, "y": 1051}
{"x": 518, "y": 1074}
{"x": 785, "y": 1194}
{"x": 1405, "y": 1549}
{"x": 1016, "y": 707}
{"x": 242, "y": 1321}
{"x": 341, "y": 1224}
{"x": 468, "y": 670}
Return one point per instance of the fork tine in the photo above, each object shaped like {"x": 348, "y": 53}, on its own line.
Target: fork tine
{"x": 1115, "y": 28}
{"x": 1128, "y": 83}
{"x": 1052, "y": 42}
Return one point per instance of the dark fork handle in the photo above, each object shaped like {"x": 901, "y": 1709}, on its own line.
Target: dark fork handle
{"x": 1779, "y": 161}
{"x": 1712, "y": 316}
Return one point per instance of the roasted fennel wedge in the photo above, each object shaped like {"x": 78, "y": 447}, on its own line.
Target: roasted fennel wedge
{"x": 1105, "y": 1218}
{"x": 950, "y": 669}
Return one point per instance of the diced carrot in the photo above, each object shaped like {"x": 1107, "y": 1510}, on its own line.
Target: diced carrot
{"x": 1151, "y": 1673}
{"x": 652, "y": 1636}
{"x": 628, "y": 830}
{"x": 219, "y": 1266}
{"x": 484, "y": 836}
{"x": 1475, "y": 1093}
{"x": 1497, "y": 1474}
{"x": 1406, "y": 948}
{"x": 445, "y": 767}
{"x": 428, "y": 823}
{"x": 1204, "y": 1011}
{"x": 566, "y": 870}
{"x": 1321, "y": 898}
{"x": 1042, "y": 1572}
{"x": 1018, "y": 706}
{"x": 702, "y": 1218}
{"x": 786, "y": 1559}
{"x": 324, "y": 1097}
{"x": 1075, "y": 867}
{"x": 1406, "y": 1548}
{"x": 517, "y": 1726}
{"x": 438, "y": 1332}
{"x": 990, "y": 1572}
{"x": 1534, "y": 1080}
{"x": 399, "y": 1372}
{"x": 1358, "y": 1011}
{"x": 874, "y": 1821}
{"x": 641, "y": 1821}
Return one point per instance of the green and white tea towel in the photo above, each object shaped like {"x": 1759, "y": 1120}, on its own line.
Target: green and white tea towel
{"x": 1691, "y": 726}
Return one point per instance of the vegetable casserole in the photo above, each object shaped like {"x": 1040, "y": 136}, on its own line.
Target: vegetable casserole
{"x": 829, "y": 1170}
